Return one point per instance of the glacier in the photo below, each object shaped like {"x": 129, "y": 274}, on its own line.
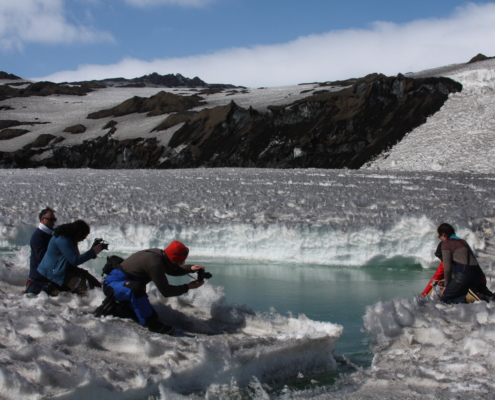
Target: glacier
{"x": 384, "y": 214}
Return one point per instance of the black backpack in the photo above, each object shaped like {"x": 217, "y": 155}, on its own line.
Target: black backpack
{"x": 112, "y": 263}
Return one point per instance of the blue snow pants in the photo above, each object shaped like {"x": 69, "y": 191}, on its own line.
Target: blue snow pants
{"x": 463, "y": 278}
{"x": 132, "y": 290}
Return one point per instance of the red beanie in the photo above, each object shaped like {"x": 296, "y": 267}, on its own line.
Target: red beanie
{"x": 176, "y": 252}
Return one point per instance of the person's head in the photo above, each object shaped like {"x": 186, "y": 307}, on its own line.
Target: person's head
{"x": 445, "y": 231}
{"x": 77, "y": 230}
{"x": 47, "y": 217}
{"x": 176, "y": 252}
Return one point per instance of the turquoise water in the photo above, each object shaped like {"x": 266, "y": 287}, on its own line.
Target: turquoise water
{"x": 327, "y": 293}
{"x": 323, "y": 293}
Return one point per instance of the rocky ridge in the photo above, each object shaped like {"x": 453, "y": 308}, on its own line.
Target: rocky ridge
{"x": 340, "y": 128}
{"x": 155, "y": 80}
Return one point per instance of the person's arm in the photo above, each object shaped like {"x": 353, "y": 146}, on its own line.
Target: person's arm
{"x": 70, "y": 252}
{"x": 165, "y": 288}
{"x": 179, "y": 271}
{"x": 436, "y": 277}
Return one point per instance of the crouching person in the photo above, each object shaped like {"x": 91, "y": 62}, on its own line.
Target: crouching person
{"x": 59, "y": 265}
{"x": 125, "y": 286}
{"x": 461, "y": 269}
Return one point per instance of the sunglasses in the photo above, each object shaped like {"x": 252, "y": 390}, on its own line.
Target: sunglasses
{"x": 50, "y": 219}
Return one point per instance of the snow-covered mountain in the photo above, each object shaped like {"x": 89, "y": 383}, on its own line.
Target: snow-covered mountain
{"x": 325, "y": 125}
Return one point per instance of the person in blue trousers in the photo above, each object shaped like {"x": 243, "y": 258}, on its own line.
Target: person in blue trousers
{"x": 126, "y": 284}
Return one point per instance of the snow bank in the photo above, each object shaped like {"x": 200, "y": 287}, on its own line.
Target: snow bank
{"x": 425, "y": 347}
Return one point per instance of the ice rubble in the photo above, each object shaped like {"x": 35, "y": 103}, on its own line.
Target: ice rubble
{"x": 312, "y": 216}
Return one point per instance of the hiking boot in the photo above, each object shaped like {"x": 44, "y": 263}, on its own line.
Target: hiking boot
{"x": 160, "y": 327}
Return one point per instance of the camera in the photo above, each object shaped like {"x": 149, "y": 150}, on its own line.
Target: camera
{"x": 202, "y": 275}
{"x": 104, "y": 243}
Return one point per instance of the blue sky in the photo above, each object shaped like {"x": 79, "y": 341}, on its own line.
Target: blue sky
{"x": 244, "y": 42}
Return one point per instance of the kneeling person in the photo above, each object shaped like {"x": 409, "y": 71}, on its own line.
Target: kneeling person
{"x": 60, "y": 263}
{"x": 127, "y": 284}
{"x": 461, "y": 269}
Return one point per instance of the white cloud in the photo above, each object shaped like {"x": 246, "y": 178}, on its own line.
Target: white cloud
{"x": 40, "y": 21}
{"x": 386, "y": 47}
{"x": 187, "y": 3}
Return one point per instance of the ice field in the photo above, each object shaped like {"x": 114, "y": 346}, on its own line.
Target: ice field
{"x": 303, "y": 221}
{"x": 459, "y": 137}
{"x": 303, "y": 260}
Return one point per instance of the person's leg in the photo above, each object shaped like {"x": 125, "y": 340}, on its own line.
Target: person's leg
{"x": 458, "y": 287}
{"x": 118, "y": 286}
{"x": 124, "y": 289}
{"x": 34, "y": 287}
{"x": 74, "y": 282}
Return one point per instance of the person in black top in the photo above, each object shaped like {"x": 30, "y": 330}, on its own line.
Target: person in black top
{"x": 39, "y": 243}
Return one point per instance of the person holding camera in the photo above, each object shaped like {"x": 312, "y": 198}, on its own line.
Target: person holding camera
{"x": 59, "y": 265}
{"x": 125, "y": 286}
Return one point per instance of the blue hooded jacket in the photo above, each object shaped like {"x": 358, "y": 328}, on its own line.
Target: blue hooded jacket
{"x": 61, "y": 253}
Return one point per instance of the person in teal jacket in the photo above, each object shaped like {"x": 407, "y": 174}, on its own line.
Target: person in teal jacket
{"x": 59, "y": 265}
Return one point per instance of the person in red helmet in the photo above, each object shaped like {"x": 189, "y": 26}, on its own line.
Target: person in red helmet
{"x": 126, "y": 284}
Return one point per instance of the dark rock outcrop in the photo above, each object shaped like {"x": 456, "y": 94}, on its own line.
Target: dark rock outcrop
{"x": 75, "y": 129}
{"x": 479, "y": 57}
{"x": 7, "y": 134}
{"x": 101, "y": 153}
{"x": 41, "y": 141}
{"x": 174, "y": 119}
{"x": 155, "y": 80}
{"x": 42, "y": 89}
{"x": 5, "y": 75}
{"x": 8, "y": 123}
{"x": 160, "y": 103}
{"x": 327, "y": 130}
{"x": 112, "y": 126}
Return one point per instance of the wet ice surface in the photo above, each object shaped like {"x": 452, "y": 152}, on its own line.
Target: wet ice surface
{"x": 54, "y": 347}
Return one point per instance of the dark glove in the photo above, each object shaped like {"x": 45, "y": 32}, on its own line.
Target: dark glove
{"x": 92, "y": 281}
